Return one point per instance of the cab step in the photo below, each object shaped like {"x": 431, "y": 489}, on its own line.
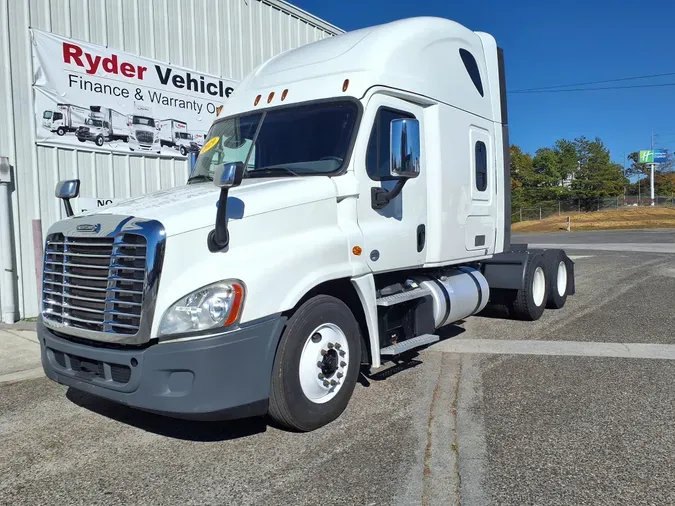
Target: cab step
{"x": 409, "y": 344}
{"x": 398, "y": 298}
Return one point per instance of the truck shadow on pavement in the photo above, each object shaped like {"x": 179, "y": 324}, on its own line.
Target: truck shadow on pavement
{"x": 187, "y": 430}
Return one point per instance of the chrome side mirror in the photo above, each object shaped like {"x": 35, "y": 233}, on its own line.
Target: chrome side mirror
{"x": 66, "y": 190}
{"x": 228, "y": 175}
{"x": 405, "y": 148}
{"x": 404, "y": 159}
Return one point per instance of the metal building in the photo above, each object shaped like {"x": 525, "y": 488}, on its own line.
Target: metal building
{"x": 223, "y": 38}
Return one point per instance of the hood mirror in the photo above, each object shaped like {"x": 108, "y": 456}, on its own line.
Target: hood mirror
{"x": 66, "y": 190}
{"x": 226, "y": 176}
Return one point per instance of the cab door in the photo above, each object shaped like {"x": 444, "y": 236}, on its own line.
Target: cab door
{"x": 394, "y": 236}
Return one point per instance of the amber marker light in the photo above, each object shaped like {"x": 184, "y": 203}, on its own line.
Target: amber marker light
{"x": 357, "y": 250}
{"x": 270, "y": 97}
{"x": 236, "y": 304}
{"x": 283, "y": 95}
{"x": 257, "y": 99}
{"x": 345, "y": 85}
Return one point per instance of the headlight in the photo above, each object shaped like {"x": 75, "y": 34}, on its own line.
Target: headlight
{"x": 216, "y": 305}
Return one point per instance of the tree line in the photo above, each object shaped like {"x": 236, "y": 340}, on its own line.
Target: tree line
{"x": 581, "y": 169}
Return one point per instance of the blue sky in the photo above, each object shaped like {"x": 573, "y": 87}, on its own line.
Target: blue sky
{"x": 551, "y": 43}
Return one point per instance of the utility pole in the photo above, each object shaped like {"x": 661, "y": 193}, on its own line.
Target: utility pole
{"x": 624, "y": 176}
{"x": 651, "y": 182}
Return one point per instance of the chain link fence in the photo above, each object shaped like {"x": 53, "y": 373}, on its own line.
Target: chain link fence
{"x": 542, "y": 210}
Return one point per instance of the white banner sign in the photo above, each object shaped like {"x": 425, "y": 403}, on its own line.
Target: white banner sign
{"x": 85, "y": 204}
{"x": 104, "y": 99}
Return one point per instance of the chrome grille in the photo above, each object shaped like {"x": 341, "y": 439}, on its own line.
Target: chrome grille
{"x": 144, "y": 137}
{"x": 95, "y": 283}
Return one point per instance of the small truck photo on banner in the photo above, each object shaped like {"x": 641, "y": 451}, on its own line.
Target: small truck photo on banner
{"x": 103, "y": 99}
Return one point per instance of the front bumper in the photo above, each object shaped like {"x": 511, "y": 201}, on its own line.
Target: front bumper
{"x": 86, "y": 136}
{"x": 217, "y": 377}
{"x": 144, "y": 146}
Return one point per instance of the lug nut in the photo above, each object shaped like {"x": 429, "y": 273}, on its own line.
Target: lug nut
{"x": 316, "y": 338}
{"x": 325, "y": 383}
{"x": 323, "y": 352}
{"x": 319, "y": 364}
{"x": 339, "y": 375}
{"x": 342, "y": 353}
{"x": 338, "y": 346}
{"x": 343, "y": 364}
{"x": 321, "y": 376}
{"x": 330, "y": 345}
{"x": 333, "y": 382}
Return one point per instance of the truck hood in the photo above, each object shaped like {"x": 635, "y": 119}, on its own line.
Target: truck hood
{"x": 194, "y": 206}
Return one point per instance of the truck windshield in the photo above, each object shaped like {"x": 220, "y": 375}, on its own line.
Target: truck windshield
{"x": 94, "y": 122}
{"x": 142, "y": 120}
{"x": 47, "y": 115}
{"x": 311, "y": 139}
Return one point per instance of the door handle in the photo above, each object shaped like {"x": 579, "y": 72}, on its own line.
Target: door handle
{"x": 421, "y": 237}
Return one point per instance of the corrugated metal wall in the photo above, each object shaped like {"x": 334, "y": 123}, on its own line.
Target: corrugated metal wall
{"x": 226, "y": 38}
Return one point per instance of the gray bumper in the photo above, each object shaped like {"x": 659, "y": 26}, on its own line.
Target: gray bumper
{"x": 217, "y": 377}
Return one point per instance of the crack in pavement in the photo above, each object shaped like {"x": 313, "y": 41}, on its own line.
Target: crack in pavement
{"x": 440, "y": 483}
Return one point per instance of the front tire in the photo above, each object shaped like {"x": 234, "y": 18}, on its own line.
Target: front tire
{"x": 316, "y": 366}
{"x": 99, "y": 141}
{"x": 530, "y": 301}
{"x": 183, "y": 151}
{"x": 61, "y": 131}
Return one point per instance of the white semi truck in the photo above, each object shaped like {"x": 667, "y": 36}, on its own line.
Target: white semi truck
{"x": 64, "y": 118}
{"x": 103, "y": 125}
{"x": 352, "y": 199}
{"x": 174, "y": 133}
{"x": 143, "y": 130}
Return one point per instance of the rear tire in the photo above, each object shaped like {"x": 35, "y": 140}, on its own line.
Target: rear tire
{"x": 558, "y": 280}
{"x": 308, "y": 357}
{"x": 530, "y": 301}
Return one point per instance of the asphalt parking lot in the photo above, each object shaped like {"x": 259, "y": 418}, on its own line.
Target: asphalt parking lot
{"x": 576, "y": 408}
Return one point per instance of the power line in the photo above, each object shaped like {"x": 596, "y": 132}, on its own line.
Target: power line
{"x": 594, "y": 82}
{"x": 594, "y": 89}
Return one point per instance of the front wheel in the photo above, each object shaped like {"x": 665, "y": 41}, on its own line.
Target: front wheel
{"x": 183, "y": 151}
{"x": 99, "y": 140}
{"x": 316, "y": 366}
{"x": 61, "y": 131}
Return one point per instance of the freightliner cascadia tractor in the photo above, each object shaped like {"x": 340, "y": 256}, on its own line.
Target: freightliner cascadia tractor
{"x": 352, "y": 198}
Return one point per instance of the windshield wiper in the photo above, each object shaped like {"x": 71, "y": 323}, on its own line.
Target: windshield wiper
{"x": 268, "y": 171}
{"x": 199, "y": 177}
